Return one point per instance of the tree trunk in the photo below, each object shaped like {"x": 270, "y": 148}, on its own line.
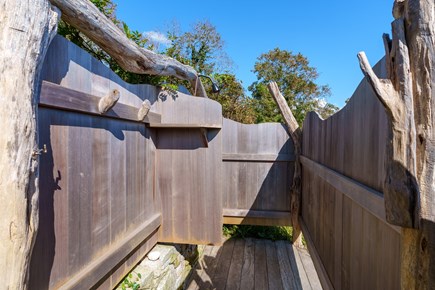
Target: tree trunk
{"x": 409, "y": 99}
{"x": 296, "y": 135}
{"x": 26, "y": 29}
{"x": 84, "y": 16}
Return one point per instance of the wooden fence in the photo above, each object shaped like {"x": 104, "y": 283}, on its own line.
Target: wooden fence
{"x": 106, "y": 186}
{"x": 258, "y": 162}
{"x": 343, "y": 212}
{"x": 112, "y": 186}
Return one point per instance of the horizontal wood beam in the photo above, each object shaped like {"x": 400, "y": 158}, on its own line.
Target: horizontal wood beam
{"x": 317, "y": 261}
{"x": 252, "y": 221}
{"x": 234, "y": 212}
{"x": 98, "y": 268}
{"x": 366, "y": 197}
{"x": 184, "y": 126}
{"x": 255, "y": 157}
{"x": 56, "y": 96}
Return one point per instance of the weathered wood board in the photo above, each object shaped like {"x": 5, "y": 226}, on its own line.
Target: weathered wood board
{"x": 99, "y": 206}
{"x": 343, "y": 160}
{"x": 189, "y": 170}
{"x": 257, "y": 172}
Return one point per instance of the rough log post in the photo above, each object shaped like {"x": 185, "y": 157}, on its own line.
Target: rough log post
{"x": 409, "y": 99}
{"x": 26, "y": 29}
{"x": 296, "y": 135}
{"x": 84, "y": 16}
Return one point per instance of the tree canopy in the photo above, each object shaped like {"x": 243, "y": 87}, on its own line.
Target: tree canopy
{"x": 297, "y": 82}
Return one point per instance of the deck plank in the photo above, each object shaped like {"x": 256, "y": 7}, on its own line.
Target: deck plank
{"x": 221, "y": 271}
{"x": 288, "y": 281}
{"x": 309, "y": 269}
{"x": 234, "y": 274}
{"x": 273, "y": 273}
{"x": 248, "y": 264}
{"x": 260, "y": 266}
{"x": 304, "y": 279}
{"x": 248, "y": 269}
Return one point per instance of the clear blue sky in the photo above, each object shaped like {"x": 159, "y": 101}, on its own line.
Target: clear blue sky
{"x": 329, "y": 33}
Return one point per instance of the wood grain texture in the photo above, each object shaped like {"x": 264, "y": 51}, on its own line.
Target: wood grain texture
{"x": 99, "y": 267}
{"x": 369, "y": 199}
{"x": 255, "y": 264}
{"x": 343, "y": 208}
{"x": 255, "y": 157}
{"x": 230, "y": 212}
{"x": 99, "y": 181}
{"x": 55, "y": 96}
{"x": 189, "y": 170}
{"x": 91, "y": 197}
{"x": 296, "y": 134}
{"x": 257, "y": 167}
{"x": 26, "y": 30}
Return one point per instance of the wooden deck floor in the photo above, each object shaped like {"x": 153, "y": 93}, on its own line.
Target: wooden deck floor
{"x": 255, "y": 264}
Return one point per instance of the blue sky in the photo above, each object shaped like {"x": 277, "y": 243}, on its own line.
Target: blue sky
{"x": 329, "y": 33}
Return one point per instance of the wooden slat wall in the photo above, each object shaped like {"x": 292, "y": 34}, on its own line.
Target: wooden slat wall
{"x": 99, "y": 204}
{"x": 357, "y": 248}
{"x": 189, "y": 170}
{"x": 257, "y": 168}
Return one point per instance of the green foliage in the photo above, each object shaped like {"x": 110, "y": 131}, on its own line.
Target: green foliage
{"x": 201, "y": 48}
{"x": 262, "y": 232}
{"x": 236, "y": 105}
{"x": 131, "y": 281}
{"x": 296, "y": 80}
{"x": 327, "y": 110}
{"x": 108, "y": 8}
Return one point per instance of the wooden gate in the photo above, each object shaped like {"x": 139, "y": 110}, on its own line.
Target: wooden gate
{"x": 257, "y": 173}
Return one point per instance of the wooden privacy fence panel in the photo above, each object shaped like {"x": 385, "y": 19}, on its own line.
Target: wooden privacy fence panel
{"x": 189, "y": 147}
{"x": 99, "y": 205}
{"x": 112, "y": 185}
{"x": 257, "y": 172}
{"x": 343, "y": 211}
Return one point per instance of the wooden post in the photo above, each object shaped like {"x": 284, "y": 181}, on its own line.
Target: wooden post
{"x": 408, "y": 96}
{"x": 296, "y": 135}
{"x": 26, "y": 29}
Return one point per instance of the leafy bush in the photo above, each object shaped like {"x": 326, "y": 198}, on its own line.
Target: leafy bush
{"x": 262, "y": 232}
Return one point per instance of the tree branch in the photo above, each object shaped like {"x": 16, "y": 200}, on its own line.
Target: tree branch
{"x": 84, "y": 16}
{"x": 289, "y": 119}
{"x": 296, "y": 135}
{"x": 384, "y": 89}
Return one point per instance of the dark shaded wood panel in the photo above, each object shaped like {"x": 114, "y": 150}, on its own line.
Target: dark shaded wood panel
{"x": 98, "y": 269}
{"x": 91, "y": 198}
{"x": 188, "y": 175}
